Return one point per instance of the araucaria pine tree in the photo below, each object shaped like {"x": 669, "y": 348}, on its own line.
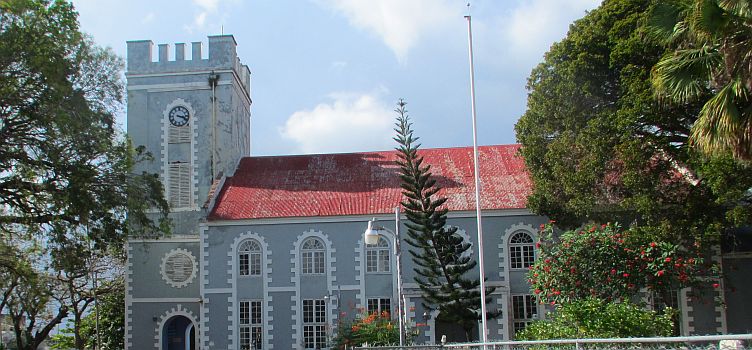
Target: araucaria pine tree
{"x": 439, "y": 252}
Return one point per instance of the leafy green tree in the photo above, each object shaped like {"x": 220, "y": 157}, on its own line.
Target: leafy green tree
{"x": 600, "y": 147}
{"x": 606, "y": 262}
{"x": 66, "y": 180}
{"x": 438, "y": 250}
{"x": 111, "y": 310}
{"x": 711, "y": 63}
{"x": 596, "y": 318}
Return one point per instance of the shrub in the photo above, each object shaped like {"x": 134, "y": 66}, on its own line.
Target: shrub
{"x": 595, "y": 318}
{"x": 373, "y": 329}
{"x": 606, "y": 262}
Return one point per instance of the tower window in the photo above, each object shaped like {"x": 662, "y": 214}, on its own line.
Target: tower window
{"x": 179, "y": 191}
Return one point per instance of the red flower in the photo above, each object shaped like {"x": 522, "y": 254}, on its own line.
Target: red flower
{"x": 716, "y": 285}
{"x": 626, "y": 275}
{"x": 537, "y": 291}
{"x": 556, "y": 292}
{"x": 668, "y": 259}
{"x": 660, "y": 273}
{"x": 653, "y": 244}
{"x": 613, "y": 271}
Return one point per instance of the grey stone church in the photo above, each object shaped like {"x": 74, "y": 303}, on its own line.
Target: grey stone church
{"x": 269, "y": 253}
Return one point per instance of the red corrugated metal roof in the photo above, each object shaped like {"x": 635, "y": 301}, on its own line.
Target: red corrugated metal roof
{"x": 366, "y": 183}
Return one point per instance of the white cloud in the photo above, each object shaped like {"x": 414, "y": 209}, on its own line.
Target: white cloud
{"x": 207, "y": 5}
{"x": 338, "y": 65}
{"x": 534, "y": 25}
{"x": 350, "y": 122}
{"x": 399, "y": 23}
{"x": 200, "y": 19}
{"x": 148, "y": 18}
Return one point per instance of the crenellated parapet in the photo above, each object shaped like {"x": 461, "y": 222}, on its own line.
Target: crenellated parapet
{"x": 222, "y": 56}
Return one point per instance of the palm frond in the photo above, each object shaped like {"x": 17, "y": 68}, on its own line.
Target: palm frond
{"x": 664, "y": 22}
{"x": 722, "y": 127}
{"x": 684, "y": 74}
{"x": 741, "y": 8}
{"x": 707, "y": 20}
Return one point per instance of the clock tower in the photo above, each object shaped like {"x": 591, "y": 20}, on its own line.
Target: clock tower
{"x": 192, "y": 112}
{"x": 193, "y": 115}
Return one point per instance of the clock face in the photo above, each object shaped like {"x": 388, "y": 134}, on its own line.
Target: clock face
{"x": 179, "y": 116}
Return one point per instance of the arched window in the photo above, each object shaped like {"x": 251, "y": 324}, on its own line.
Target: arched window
{"x": 377, "y": 256}
{"x": 249, "y": 258}
{"x": 521, "y": 250}
{"x": 312, "y": 253}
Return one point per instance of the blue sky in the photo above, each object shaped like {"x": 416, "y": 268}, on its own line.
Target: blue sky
{"x": 326, "y": 74}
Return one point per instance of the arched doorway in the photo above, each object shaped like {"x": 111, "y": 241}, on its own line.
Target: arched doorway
{"x": 178, "y": 334}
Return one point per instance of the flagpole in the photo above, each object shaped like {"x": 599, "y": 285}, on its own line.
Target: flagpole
{"x": 484, "y": 329}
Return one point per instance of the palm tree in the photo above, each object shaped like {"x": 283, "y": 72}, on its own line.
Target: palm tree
{"x": 711, "y": 62}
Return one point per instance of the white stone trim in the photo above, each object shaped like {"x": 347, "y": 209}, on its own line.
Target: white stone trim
{"x": 295, "y": 274}
{"x": 129, "y": 297}
{"x": 166, "y": 300}
{"x": 178, "y": 310}
{"x": 184, "y": 239}
{"x": 502, "y": 328}
{"x": 684, "y": 309}
{"x": 198, "y": 85}
{"x": 360, "y": 274}
{"x": 688, "y": 313}
{"x": 266, "y": 279}
{"x": 361, "y": 218}
{"x": 204, "y": 283}
{"x": 168, "y": 74}
{"x": 217, "y": 290}
{"x": 163, "y": 266}
{"x": 720, "y": 309}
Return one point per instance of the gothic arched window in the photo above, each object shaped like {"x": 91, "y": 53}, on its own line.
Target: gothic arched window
{"x": 312, "y": 253}
{"x": 249, "y": 258}
{"x": 521, "y": 250}
{"x": 377, "y": 256}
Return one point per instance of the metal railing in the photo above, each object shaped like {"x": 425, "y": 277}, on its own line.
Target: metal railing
{"x": 720, "y": 342}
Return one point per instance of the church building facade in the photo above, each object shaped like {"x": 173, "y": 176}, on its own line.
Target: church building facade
{"x": 268, "y": 252}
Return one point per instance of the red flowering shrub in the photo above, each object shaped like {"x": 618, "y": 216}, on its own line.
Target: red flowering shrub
{"x": 373, "y": 329}
{"x": 606, "y": 262}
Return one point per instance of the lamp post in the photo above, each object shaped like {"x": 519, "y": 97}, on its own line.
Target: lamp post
{"x": 371, "y": 236}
